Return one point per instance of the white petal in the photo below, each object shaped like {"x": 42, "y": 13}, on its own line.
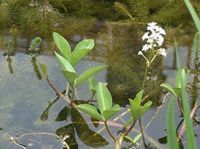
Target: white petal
{"x": 140, "y": 53}
{"x": 162, "y": 52}
{"x": 145, "y": 36}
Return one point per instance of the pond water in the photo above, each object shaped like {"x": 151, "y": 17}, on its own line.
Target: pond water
{"x": 28, "y": 104}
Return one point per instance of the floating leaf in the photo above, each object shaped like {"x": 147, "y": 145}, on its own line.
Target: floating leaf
{"x": 104, "y": 97}
{"x": 62, "y": 45}
{"x": 90, "y": 110}
{"x": 87, "y": 74}
{"x": 81, "y": 50}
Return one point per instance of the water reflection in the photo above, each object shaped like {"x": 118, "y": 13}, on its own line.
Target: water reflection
{"x": 26, "y": 108}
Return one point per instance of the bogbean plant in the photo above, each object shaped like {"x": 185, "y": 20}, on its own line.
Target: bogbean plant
{"x": 105, "y": 109}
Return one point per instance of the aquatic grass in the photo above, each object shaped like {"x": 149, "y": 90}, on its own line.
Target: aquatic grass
{"x": 193, "y": 14}
{"x": 171, "y": 128}
{"x": 183, "y": 100}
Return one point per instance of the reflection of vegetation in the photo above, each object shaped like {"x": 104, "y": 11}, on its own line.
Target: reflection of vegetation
{"x": 35, "y": 67}
{"x": 34, "y": 17}
{"x": 9, "y": 60}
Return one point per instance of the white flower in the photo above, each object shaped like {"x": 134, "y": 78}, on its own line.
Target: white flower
{"x": 162, "y": 52}
{"x": 145, "y": 36}
{"x": 154, "y": 35}
{"x": 140, "y": 53}
{"x": 146, "y": 47}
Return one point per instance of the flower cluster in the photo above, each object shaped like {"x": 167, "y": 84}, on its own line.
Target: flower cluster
{"x": 154, "y": 38}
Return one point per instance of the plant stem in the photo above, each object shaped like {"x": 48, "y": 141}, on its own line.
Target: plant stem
{"x": 105, "y": 122}
{"x": 143, "y": 86}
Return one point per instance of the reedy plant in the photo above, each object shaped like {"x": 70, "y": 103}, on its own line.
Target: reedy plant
{"x": 179, "y": 91}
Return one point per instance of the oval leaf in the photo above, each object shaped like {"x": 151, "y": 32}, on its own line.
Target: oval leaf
{"x": 62, "y": 45}
{"x": 81, "y": 50}
{"x": 104, "y": 97}
{"x": 65, "y": 65}
{"x": 87, "y": 74}
{"x": 90, "y": 110}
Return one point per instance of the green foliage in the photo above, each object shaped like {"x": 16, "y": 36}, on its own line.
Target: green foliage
{"x": 181, "y": 83}
{"x": 44, "y": 70}
{"x": 90, "y": 110}
{"x": 69, "y": 59}
{"x": 87, "y": 74}
{"x": 81, "y": 50}
{"x": 92, "y": 84}
{"x": 63, "y": 46}
{"x": 193, "y": 14}
{"x": 35, "y": 43}
{"x": 105, "y": 105}
{"x": 137, "y": 110}
{"x": 190, "y": 137}
{"x": 171, "y": 128}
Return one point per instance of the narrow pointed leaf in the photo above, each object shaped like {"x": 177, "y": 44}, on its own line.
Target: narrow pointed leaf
{"x": 171, "y": 128}
{"x": 92, "y": 83}
{"x": 107, "y": 114}
{"x": 145, "y": 108}
{"x": 104, "y": 97}
{"x": 43, "y": 67}
{"x": 81, "y": 50}
{"x": 169, "y": 88}
{"x": 90, "y": 110}
{"x": 190, "y": 137}
{"x": 62, "y": 45}
{"x": 87, "y": 74}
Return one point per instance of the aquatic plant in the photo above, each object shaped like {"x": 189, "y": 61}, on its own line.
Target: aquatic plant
{"x": 104, "y": 110}
{"x": 179, "y": 91}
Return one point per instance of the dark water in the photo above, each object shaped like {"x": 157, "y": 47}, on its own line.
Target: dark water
{"x": 29, "y": 105}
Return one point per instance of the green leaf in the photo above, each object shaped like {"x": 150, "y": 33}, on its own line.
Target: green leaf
{"x": 92, "y": 83}
{"x": 87, "y": 74}
{"x": 190, "y": 137}
{"x": 135, "y": 139}
{"x": 44, "y": 70}
{"x": 70, "y": 76}
{"x": 90, "y": 110}
{"x": 104, "y": 98}
{"x": 65, "y": 65}
{"x": 193, "y": 14}
{"x": 145, "y": 108}
{"x": 169, "y": 88}
{"x": 110, "y": 112}
{"x": 62, "y": 45}
{"x": 35, "y": 43}
{"x": 171, "y": 128}
{"x": 135, "y": 105}
{"x": 81, "y": 50}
